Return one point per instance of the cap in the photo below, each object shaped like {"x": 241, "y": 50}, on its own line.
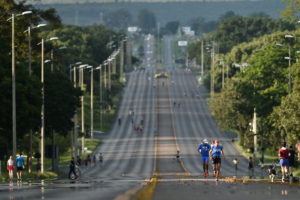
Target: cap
{"x": 205, "y": 141}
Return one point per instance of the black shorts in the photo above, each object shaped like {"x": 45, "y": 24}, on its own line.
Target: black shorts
{"x": 292, "y": 163}
{"x": 19, "y": 169}
{"x": 216, "y": 160}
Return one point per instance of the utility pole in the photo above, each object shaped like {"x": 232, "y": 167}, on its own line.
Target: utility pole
{"x": 128, "y": 53}
{"x": 202, "y": 58}
{"x": 105, "y": 76}
{"x": 114, "y": 63}
{"x": 158, "y": 42}
{"x": 92, "y": 103}
{"x": 121, "y": 59}
{"x": 255, "y": 134}
{"x": 212, "y": 81}
{"x": 14, "y": 121}
{"x": 29, "y": 69}
{"x": 109, "y": 74}
{"x": 75, "y": 119}
{"x": 223, "y": 74}
{"x": 82, "y": 112}
{"x": 42, "y": 112}
{"x": 101, "y": 98}
{"x": 290, "y": 81}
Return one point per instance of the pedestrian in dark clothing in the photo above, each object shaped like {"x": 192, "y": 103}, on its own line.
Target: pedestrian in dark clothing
{"x": 89, "y": 159}
{"x": 291, "y": 160}
{"x": 72, "y": 168}
{"x": 250, "y": 167}
{"x": 94, "y": 159}
{"x": 79, "y": 161}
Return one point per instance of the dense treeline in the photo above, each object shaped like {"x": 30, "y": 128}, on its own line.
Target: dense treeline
{"x": 259, "y": 82}
{"x": 85, "y": 44}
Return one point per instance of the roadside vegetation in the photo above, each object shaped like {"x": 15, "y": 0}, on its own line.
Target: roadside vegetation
{"x": 256, "y": 72}
{"x": 90, "y": 45}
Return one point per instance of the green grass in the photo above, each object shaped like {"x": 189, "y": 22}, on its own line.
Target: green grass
{"x": 268, "y": 155}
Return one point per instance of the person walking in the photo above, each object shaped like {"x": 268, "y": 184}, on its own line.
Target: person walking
{"x": 215, "y": 155}
{"x": 291, "y": 160}
{"x": 72, "y": 168}
{"x": 204, "y": 149}
{"x": 284, "y": 154}
{"x": 78, "y": 162}
{"x": 251, "y": 167}
{"x": 20, "y": 166}
{"x": 38, "y": 168}
{"x": 10, "y": 168}
{"x": 235, "y": 162}
{"x": 100, "y": 158}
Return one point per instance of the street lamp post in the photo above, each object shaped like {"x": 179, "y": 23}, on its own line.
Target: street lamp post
{"x": 122, "y": 59}
{"x": 81, "y": 77}
{"x": 13, "y": 78}
{"x": 92, "y": 102}
{"x": 100, "y": 94}
{"x": 202, "y": 58}
{"x": 288, "y": 58}
{"x": 52, "y": 59}
{"x": 74, "y": 138}
{"x": 43, "y": 101}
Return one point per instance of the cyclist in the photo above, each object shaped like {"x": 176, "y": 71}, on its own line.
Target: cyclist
{"x": 204, "y": 149}
{"x": 215, "y": 155}
{"x": 284, "y": 154}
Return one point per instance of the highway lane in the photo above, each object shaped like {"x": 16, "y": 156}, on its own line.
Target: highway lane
{"x": 128, "y": 155}
{"x": 193, "y": 123}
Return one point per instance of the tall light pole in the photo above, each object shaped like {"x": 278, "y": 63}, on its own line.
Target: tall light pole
{"x": 82, "y": 67}
{"x": 52, "y": 59}
{"x": 109, "y": 73}
{"x": 212, "y": 73}
{"x": 74, "y": 139}
{"x": 128, "y": 53}
{"x": 29, "y": 70}
{"x": 100, "y": 95}
{"x": 92, "y": 102}
{"x": 122, "y": 59}
{"x": 13, "y": 78}
{"x": 288, "y": 58}
{"x": 202, "y": 58}
{"x": 43, "y": 103}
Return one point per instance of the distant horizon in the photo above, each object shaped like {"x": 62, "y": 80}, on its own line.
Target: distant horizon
{"x": 131, "y": 1}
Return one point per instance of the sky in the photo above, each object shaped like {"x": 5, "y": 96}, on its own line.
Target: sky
{"x": 110, "y": 1}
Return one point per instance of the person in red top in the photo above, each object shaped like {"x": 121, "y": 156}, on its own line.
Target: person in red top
{"x": 284, "y": 154}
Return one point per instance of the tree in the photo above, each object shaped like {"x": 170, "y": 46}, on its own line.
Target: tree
{"x": 61, "y": 101}
{"x": 258, "y": 14}
{"x": 228, "y": 15}
{"x": 146, "y": 21}
{"x": 119, "y": 19}
{"x": 290, "y": 14}
{"x": 171, "y": 27}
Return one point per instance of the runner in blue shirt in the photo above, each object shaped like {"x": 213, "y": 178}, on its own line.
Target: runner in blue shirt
{"x": 204, "y": 149}
{"x": 215, "y": 155}
{"x": 20, "y": 166}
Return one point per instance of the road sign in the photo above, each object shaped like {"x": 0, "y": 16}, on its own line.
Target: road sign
{"x": 298, "y": 146}
{"x": 182, "y": 43}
